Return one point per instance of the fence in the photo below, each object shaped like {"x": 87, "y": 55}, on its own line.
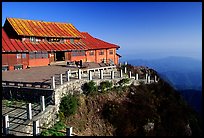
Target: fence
{"x": 36, "y": 128}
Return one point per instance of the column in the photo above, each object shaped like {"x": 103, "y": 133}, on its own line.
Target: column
{"x": 148, "y": 79}
{"x": 101, "y": 74}
{"x": 69, "y": 131}
{"x": 155, "y": 78}
{"x": 5, "y": 125}
{"x": 130, "y": 74}
{"x": 67, "y": 74}
{"x": 61, "y": 79}
{"x": 42, "y": 103}
{"x": 53, "y": 82}
{"x": 121, "y": 73}
{"x": 29, "y": 111}
{"x": 136, "y": 76}
{"x": 36, "y": 129}
{"x": 79, "y": 74}
{"x": 112, "y": 74}
{"x": 90, "y": 75}
{"x": 125, "y": 70}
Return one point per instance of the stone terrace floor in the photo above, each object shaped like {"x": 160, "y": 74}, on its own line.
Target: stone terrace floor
{"x": 41, "y": 74}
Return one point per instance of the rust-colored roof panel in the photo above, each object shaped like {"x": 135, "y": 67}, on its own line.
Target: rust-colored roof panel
{"x": 95, "y": 43}
{"x": 43, "y": 29}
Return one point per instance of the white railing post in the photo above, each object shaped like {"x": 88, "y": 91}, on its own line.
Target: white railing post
{"x": 121, "y": 73}
{"x": 101, "y": 74}
{"x": 42, "y": 103}
{"x": 53, "y": 82}
{"x": 67, "y": 74}
{"x": 61, "y": 79}
{"x": 125, "y": 70}
{"x": 136, "y": 76}
{"x": 79, "y": 74}
{"x": 90, "y": 75}
{"x": 36, "y": 129}
{"x": 112, "y": 74}
{"x": 5, "y": 125}
{"x": 69, "y": 131}
{"x": 155, "y": 78}
{"x": 148, "y": 79}
{"x": 130, "y": 74}
{"x": 29, "y": 111}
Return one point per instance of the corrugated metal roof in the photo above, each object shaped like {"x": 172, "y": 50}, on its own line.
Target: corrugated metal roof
{"x": 25, "y": 27}
{"x": 95, "y": 43}
{"x": 15, "y": 45}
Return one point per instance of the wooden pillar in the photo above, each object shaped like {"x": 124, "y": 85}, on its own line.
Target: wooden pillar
{"x": 121, "y": 73}
{"x": 36, "y": 130}
{"x": 5, "y": 125}
{"x": 29, "y": 111}
{"x": 79, "y": 74}
{"x": 69, "y": 131}
{"x": 53, "y": 82}
{"x": 68, "y": 74}
{"x": 42, "y": 103}
{"x": 90, "y": 75}
{"x": 101, "y": 74}
{"x": 136, "y": 76}
{"x": 61, "y": 79}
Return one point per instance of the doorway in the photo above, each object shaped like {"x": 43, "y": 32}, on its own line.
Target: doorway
{"x": 60, "y": 56}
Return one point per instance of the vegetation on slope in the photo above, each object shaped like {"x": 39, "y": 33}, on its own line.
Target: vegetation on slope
{"x": 144, "y": 110}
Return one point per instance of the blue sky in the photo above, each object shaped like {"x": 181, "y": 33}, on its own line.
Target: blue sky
{"x": 143, "y": 29}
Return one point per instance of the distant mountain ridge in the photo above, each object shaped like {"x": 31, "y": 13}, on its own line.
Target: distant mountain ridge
{"x": 182, "y": 72}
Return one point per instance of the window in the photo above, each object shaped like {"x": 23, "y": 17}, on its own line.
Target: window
{"x": 78, "y": 53}
{"x": 71, "y": 40}
{"x": 62, "y": 40}
{"x": 101, "y": 52}
{"x": 5, "y": 68}
{"x": 32, "y": 55}
{"x": 32, "y": 39}
{"x": 17, "y": 67}
{"x": 44, "y": 55}
{"x": 18, "y": 56}
{"x": 91, "y": 53}
{"x": 23, "y": 55}
{"x": 111, "y": 52}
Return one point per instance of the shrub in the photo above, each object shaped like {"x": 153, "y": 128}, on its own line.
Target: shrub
{"x": 105, "y": 85}
{"x": 54, "y": 131}
{"x": 123, "y": 81}
{"x": 90, "y": 87}
{"x": 68, "y": 105}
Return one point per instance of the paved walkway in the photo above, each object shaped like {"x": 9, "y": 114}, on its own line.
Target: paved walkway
{"x": 17, "y": 114}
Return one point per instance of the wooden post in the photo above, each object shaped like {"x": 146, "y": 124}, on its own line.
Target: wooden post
{"x": 79, "y": 74}
{"x": 36, "y": 129}
{"x": 101, "y": 74}
{"x": 112, "y": 74}
{"x": 90, "y": 75}
{"x": 67, "y": 73}
{"x": 121, "y": 73}
{"x": 155, "y": 78}
{"x": 53, "y": 82}
{"x": 29, "y": 111}
{"x": 5, "y": 125}
{"x": 61, "y": 79}
{"x": 69, "y": 131}
{"x": 42, "y": 103}
{"x": 125, "y": 70}
{"x": 136, "y": 76}
{"x": 130, "y": 74}
{"x": 148, "y": 79}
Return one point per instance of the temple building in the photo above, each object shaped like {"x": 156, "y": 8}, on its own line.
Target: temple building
{"x": 31, "y": 43}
